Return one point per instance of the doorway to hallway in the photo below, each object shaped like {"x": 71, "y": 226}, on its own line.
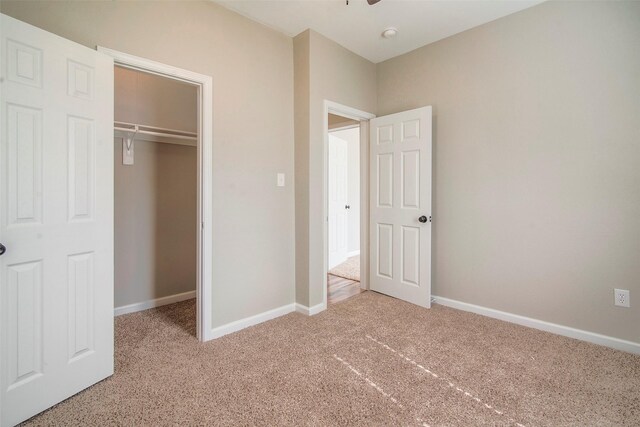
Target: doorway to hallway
{"x": 343, "y": 278}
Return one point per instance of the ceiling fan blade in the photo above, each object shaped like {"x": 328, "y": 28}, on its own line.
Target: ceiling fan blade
{"x": 372, "y": 2}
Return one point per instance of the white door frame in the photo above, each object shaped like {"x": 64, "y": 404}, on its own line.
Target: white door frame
{"x": 363, "y": 117}
{"x": 204, "y": 83}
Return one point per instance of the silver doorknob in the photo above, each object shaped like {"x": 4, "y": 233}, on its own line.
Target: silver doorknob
{"x": 422, "y": 219}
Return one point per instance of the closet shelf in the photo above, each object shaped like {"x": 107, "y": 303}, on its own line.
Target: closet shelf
{"x": 155, "y": 134}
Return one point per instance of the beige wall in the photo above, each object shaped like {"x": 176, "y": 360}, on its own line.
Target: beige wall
{"x": 151, "y": 100}
{"x": 338, "y": 75}
{"x": 155, "y": 206}
{"x": 536, "y": 195}
{"x": 301, "y": 52}
{"x": 536, "y": 161}
{"x": 339, "y": 121}
{"x": 155, "y": 222}
{"x": 252, "y": 72}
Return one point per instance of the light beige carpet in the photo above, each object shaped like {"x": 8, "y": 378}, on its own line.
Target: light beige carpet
{"x": 371, "y": 361}
{"x": 350, "y": 269}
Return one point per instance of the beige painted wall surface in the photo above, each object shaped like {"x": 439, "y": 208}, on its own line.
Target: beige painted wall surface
{"x": 155, "y": 222}
{"x": 339, "y": 121}
{"x": 151, "y": 100}
{"x": 301, "y": 121}
{"x": 252, "y": 72}
{"x": 536, "y": 161}
{"x": 338, "y": 75}
{"x": 155, "y": 208}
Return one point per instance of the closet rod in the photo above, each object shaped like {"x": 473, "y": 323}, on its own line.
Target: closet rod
{"x": 155, "y": 134}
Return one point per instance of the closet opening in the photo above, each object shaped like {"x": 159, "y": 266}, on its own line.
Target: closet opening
{"x": 205, "y": 233}
{"x": 156, "y": 165}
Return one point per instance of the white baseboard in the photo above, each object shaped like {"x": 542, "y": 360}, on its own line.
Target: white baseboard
{"x": 158, "y": 302}
{"x": 607, "y": 341}
{"x": 310, "y": 311}
{"x": 250, "y": 321}
{"x": 353, "y": 253}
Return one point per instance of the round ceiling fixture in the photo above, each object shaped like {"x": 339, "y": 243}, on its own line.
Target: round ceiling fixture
{"x": 389, "y": 33}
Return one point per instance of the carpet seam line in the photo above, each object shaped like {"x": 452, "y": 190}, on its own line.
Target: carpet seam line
{"x": 449, "y": 383}
{"x": 377, "y": 387}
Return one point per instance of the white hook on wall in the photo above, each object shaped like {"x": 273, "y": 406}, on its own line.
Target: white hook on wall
{"x": 127, "y": 146}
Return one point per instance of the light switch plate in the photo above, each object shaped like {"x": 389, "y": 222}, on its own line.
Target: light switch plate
{"x": 280, "y": 179}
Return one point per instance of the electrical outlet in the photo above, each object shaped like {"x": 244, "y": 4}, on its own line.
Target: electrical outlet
{"x": 621, "y": 298}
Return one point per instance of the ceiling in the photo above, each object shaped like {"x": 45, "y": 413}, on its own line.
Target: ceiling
{"x": 358, "y": 26}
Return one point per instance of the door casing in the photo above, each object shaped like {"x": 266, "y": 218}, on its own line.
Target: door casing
{"x": 363, "y": 117}
{"x": 204, "y": 83}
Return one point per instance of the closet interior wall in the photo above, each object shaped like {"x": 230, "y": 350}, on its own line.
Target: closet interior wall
{"x": 156, "y": 197}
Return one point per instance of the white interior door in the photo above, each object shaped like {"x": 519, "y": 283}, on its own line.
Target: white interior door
{"x": 56, "y": 219}
{"x": 338, "y": 201}
{"x": 400, "y": 211}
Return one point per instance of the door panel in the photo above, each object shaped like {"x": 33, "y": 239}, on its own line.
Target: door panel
{"x": 56, "y": 219}
{"x": 24, "y": 158}
{"x": 400, "y": 194}
{"x": 23, "y": 309}
{"x": 385, "y": 250}
{"x": 81, "y": 174}
{"x": 410, "y": 179}
{"x": 24, "y": 63}
{"x": 410, "y": 255}
{"x": 385, "y": 180}
{"x": 81, "y": 302}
